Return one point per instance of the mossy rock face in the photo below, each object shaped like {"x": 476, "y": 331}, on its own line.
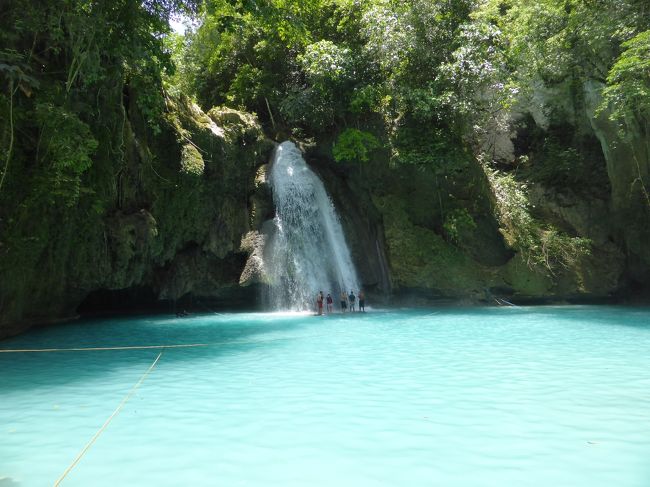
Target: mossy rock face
{"x": 187, "y": 118}
{"x": 191, "y": 161}
{"x": 237, "y": 125}
{"x": 526, "y": 281}
{"x": 419, "y": 258}
{"x": 130, "y": 238}
{"x": 159, "y": 211}
{"x": 227, "y": 117}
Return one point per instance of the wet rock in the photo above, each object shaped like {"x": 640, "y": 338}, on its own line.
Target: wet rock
{"x": 254, "y": 271}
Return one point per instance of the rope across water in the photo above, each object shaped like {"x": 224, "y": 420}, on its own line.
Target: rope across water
{"x": 101, "y": 349}
{"x": 106, "y": 423}
{"x": 137, "y": 384}
{"x": 147, "y": 347}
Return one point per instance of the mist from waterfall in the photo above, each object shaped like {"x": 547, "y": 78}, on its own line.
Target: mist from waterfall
{"x": 306, "y": 252}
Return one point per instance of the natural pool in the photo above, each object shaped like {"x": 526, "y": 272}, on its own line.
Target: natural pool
{"x": 549, "y": 396}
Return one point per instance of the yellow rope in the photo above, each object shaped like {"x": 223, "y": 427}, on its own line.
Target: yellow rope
{"x": 95, "y": 349}
{"x": 147, "y": 347}
{"x": 99, "y": 432}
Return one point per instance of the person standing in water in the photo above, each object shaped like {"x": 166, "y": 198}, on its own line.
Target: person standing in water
{"x": 319, "y": 303}
{"x": 352, "y": 298}
{"x": 329, "y": 303}
{"x": 362, "y": 301}
{"x": 344, "y": 302}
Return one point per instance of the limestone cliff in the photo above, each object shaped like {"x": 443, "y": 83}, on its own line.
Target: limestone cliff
{"x": 164, "y": 221}
{"x": 565, "y": 217}
{"x": 627, "y": 156}
{"x": 182, "y": 212}
{"x": 557, "y": 213}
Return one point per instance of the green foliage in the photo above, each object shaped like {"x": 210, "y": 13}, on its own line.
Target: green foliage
{"x": 437, "y": 149}
{"x": 549, "y": 50}
{"x": 66, "y": 145}
{"x": 65, "y": 59}
{"x": 145, "y": 81}
{"x": 542, "y": 246}
{"x": 628, "y": 94}
{"x": 317, "y": 66}
{"x": 246, "y": 88}
{"x": 293, "y": 63}
{"x": 560, "y": 166}
{"x": 628, "y": 81}
{"x": 427, "y": 78}
{"x": 14, "y": 67}
{"x": 458, "y": 223}
{"x": 71, "y": 72}
{"x": 475, "y": 84}
{"x": 557, "y": 40}
{"x": 243, "y": 49}
{"x": 386, "y": 29}
{"x": 423, "y": 98}
{"x": 177, "y": 81}
{"x": 324, "y": 63}
{"x": 558, "y": 248}
{"x": 308, "y": 109}
{"x": 550, "y": 47}
{"x": 354, "y": 145}
{"x": 368, "y": 99}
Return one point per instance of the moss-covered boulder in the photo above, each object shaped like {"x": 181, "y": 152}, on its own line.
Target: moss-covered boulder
{"x": 421, "y": 259}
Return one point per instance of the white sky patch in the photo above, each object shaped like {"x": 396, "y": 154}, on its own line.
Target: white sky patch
{"x": 182, "y": 24}
{"x": 178, "y": 25}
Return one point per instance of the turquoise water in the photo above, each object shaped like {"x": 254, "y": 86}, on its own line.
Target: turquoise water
{"x": 551, "y": 396}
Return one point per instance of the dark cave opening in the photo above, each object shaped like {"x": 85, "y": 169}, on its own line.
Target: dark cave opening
{"x": 143, "y": 300}
{"x": 134, "y": 300}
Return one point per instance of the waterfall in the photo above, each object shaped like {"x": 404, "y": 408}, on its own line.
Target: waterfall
{"x": 307, "y": 252}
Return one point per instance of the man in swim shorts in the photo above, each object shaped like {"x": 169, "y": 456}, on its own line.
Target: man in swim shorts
{"x": 344, "y": 302}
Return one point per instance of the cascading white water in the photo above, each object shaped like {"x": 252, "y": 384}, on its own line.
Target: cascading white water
{"x": 307, "y": 252}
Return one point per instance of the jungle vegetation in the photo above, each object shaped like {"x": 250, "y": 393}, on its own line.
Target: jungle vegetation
{"x": 424, "y": 82}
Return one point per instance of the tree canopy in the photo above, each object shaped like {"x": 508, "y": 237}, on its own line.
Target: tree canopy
{"x": 423, "y": 82}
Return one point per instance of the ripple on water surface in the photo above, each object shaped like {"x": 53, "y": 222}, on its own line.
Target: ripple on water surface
{"x": 457, "y": 397}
